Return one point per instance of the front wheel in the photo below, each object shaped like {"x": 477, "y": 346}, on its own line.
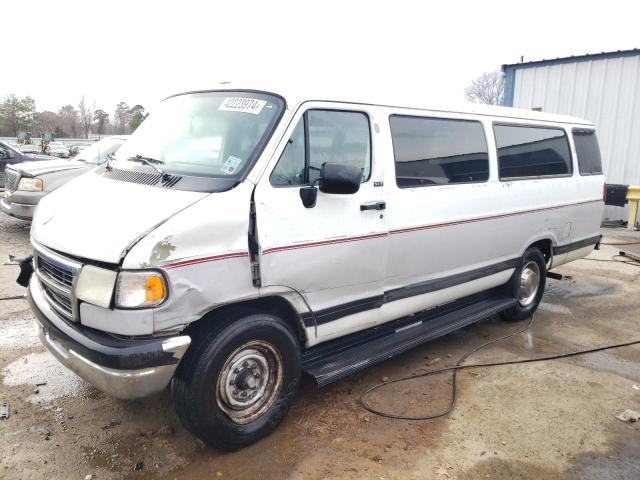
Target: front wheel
{"x": 529, "y": 281}
{"x": 239, "y": 381}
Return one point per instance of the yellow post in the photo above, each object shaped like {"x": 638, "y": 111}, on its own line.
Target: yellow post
{"x": 633, "y": 196}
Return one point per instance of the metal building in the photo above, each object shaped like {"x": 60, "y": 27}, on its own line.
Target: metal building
{"x": 603, "y": 88}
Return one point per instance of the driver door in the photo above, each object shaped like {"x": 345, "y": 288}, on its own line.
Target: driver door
{"x": 334, "y": 253}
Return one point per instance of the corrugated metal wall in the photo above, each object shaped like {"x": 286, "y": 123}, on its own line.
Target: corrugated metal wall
{"x": 605, "y": 91}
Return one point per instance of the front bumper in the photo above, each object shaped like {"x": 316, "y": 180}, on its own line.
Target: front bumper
{"x": 18, "y": 210}
{"x": 122, "y": 368}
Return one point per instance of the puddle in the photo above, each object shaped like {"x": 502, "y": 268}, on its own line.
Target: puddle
{"x": 19, "y": 332}
{"x": 39, "y": 367}
{"x": 580, "y": 289}
{"x": 620, "y": 463}
{"x": 606, "y": 362}
{"x": 554, "y": 308}
{"x": 512, "y": 469}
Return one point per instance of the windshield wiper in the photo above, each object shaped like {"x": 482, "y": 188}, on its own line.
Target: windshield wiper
{"x": 151, "y": 162}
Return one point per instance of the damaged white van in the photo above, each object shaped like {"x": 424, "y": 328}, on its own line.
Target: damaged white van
{"x": 242, "y": 237}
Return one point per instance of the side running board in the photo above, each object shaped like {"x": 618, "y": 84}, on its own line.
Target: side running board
{"x": 331, "y": 361}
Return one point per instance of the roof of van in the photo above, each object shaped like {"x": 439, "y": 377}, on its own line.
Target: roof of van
{"x": 302, "y": 92}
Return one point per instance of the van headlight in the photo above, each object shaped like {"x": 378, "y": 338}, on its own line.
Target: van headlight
{"x": 30, "y": 184}
{"x": 140, "y": 289}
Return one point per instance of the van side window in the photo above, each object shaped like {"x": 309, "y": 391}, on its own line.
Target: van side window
{"x": 589, "y": 161}
{"x": 438, "y": 151}
{"x": 526, "y": 151}
{"x": 332, "y": 136}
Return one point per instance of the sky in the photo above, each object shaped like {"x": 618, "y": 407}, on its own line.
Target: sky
{"x": 142, "y": 51}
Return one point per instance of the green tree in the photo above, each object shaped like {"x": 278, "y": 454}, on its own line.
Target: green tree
{"x": 122, "y": 116}
{"x": 138, "y": 114}
{"x": 102, "y": 120}
{"x": 17, "y": 114}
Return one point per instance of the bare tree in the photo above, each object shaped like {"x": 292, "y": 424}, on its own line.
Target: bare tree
{"x": 45, "y": 122}
{"x": 86, "y": 117}
{"x": 69, "y": 119}
{"x": 488, "y": 88}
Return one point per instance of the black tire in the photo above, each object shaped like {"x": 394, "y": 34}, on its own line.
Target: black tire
{"x": 199, "y": 403}
{"x": 521, "y": 310}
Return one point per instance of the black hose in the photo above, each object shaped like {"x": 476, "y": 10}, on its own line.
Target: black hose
{"x": 14, "y": 297}
{"x": 458, "y": 366}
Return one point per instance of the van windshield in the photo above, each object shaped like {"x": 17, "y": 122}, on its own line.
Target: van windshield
{"x": 210, "y": 134}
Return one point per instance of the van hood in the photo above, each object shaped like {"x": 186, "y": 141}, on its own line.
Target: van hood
{"x": 99, "y": 218}
{"x": 33, "y": 169}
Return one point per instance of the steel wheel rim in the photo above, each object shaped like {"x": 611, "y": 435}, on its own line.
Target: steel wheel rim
{"x": 249, "y": 381}
{"x": 529, "y": 283}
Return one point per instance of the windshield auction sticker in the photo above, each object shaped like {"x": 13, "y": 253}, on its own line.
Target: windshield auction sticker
{"x": 231, "y": 165}
{"x": 239, "y": 104}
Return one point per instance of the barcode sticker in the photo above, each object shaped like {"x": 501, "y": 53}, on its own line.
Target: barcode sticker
{"x": 239, "y": 104}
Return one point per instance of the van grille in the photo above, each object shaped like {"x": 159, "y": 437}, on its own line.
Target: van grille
{"x": 54, "y": 272}
{"x": 57, "y": 275}
{"x": 11, "y": 180}
{"x": 61, "y": 303}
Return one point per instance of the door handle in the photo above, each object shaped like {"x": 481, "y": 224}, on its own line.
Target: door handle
{"x": 373, "y": 206}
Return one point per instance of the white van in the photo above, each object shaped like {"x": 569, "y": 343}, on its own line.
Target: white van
{"x": 241, "y": 237}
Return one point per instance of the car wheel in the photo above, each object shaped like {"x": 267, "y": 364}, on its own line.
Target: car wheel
{"x": 528, "y": 281}
{"x": 239, "y": 381}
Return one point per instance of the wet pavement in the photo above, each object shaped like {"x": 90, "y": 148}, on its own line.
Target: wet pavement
{"x": 551, "y": 420}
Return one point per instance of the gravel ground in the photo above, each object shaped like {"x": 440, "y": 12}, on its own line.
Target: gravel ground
{"x": 551, "y": 420}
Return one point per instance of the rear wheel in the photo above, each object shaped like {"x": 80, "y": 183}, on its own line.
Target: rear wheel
{"x": 239, "y": 381}
{"x": 528, "y": 284}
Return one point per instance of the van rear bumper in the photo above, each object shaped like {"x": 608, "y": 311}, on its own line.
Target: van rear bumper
{"x": 122, "y": 368}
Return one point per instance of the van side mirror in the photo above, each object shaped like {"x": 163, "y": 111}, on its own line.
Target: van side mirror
{"x": 336, "y": 178}
{"x": 339, "y": 178}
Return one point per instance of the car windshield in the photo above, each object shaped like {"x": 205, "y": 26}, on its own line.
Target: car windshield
{"x": 211, "y": 134}
{"x": 98, "y": 152}
{"x": 6, "y": 146}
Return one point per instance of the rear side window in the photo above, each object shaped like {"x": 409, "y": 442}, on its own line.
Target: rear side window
{"x": 589, "y": 162}
{"x": 324, "y": 136}
{"x": 525, "y": 151}
{"x": 438, "y": 151}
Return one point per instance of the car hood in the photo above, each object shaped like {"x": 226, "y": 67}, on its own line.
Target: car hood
{"x": 33, "y": 169}
{"x": 98, "y": 218}
{"x": 31, "y": 157}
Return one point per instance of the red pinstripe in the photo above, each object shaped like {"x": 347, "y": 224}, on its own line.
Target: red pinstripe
{"x": 213, "y": 258}
{"x": 492, "y": 217}
{"x": 324, "y": 242}
{"x": 368, "y": 237}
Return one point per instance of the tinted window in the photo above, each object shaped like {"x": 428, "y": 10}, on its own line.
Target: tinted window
{"x": 532, "y": 151}
{"x": 434, "y": 151}
{"x": 333, "y": 136}
{"x": 589, "y": 162}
